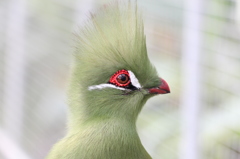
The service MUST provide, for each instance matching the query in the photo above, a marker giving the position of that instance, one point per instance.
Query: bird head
(112, 74)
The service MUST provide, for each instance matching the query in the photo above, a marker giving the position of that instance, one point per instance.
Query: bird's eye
(120, 78)
(123, 78)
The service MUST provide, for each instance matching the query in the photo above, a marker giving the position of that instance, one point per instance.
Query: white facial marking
(105, 85)
(134, 79)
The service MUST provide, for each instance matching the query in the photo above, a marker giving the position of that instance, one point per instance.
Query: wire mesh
(45, 39)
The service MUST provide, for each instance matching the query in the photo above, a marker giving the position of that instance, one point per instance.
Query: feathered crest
(112, 39)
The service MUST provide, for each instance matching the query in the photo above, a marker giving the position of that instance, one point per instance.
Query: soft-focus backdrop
(194, 44)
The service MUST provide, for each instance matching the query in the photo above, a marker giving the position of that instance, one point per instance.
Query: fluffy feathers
(102, 121)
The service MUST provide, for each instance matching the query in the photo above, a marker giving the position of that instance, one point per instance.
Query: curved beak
(163, 88)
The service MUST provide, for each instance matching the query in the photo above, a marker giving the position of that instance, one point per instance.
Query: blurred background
(194, 44)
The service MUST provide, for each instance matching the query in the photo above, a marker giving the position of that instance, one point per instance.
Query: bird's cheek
(145, 91)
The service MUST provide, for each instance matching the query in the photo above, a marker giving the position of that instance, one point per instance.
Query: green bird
(112, 78)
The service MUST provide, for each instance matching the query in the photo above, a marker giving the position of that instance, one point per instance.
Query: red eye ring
(120, 78)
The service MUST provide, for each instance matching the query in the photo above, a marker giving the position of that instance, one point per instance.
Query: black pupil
(122, 78)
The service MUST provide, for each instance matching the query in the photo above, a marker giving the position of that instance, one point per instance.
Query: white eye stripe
(133, 79)
(104, 85)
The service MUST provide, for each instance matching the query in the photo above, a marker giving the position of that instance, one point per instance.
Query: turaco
(112, 78)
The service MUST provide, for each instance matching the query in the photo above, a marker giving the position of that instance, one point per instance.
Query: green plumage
(102, 122)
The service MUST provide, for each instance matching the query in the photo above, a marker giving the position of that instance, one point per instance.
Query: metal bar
(14, 69)
(191, 80)
(9, 148)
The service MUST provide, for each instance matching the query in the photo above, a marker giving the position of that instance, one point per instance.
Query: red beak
(163, 88)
